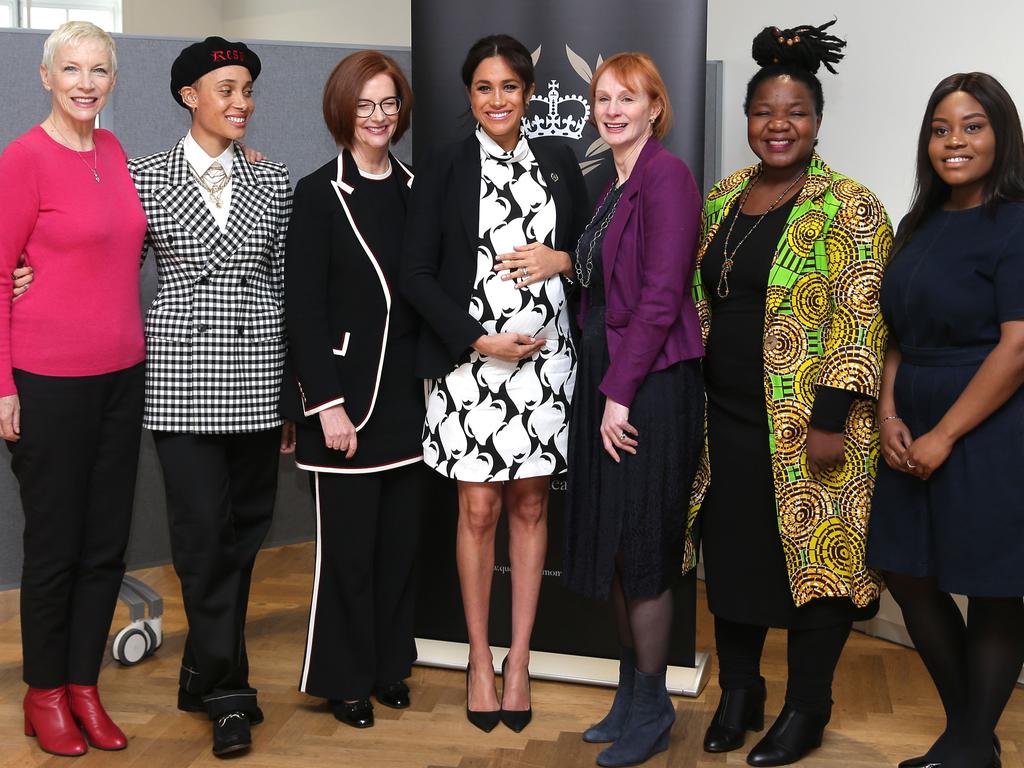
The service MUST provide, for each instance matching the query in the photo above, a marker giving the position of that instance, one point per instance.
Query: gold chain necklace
(215, 189)
(727, 264)
(94, 168)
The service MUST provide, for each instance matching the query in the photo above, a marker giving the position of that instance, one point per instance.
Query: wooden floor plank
(886, 708)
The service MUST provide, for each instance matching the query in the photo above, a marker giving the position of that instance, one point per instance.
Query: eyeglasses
(389, 106)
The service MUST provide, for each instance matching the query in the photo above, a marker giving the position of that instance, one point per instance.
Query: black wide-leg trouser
(220, 502)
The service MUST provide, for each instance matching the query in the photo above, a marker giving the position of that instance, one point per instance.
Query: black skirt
(637, 508)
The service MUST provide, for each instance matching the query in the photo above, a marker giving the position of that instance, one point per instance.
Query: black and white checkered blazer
(215, 336)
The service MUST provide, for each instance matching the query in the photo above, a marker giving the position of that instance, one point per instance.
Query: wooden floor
(885, 711)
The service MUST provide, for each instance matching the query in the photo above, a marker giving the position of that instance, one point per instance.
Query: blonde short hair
(73, 33)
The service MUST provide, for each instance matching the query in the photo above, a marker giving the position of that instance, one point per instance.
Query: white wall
(355, 22)
(897, 52)
(177, 18)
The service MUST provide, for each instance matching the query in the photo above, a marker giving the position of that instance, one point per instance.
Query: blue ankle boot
(610, 728)
(646, 730)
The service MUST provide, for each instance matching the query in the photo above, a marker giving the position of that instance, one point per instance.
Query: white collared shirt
(196, 157)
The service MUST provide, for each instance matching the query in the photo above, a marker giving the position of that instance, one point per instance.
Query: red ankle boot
(48, 718)
(87, 709)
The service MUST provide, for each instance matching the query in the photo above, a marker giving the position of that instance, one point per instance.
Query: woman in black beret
(216, 346)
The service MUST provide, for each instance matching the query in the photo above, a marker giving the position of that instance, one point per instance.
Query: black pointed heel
(516, 719)
(485, 720)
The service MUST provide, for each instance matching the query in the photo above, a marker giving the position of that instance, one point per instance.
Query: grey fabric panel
(288, 127)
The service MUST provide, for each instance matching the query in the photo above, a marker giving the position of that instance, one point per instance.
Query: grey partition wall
(287, 126)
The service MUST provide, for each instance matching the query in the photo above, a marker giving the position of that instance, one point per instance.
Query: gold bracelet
(894, 417)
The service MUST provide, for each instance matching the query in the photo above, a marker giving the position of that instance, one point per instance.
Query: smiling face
(962, 147)
(782, 125)
(623, 114)
(498, 100)
(373, 134)
(222, 103)
(79, 81)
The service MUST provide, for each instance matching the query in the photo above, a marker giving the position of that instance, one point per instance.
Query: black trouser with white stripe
(364, 598)
(220, 501)
(76, 464)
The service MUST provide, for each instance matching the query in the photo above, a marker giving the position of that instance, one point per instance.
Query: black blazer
(340, 296)
(442, 232)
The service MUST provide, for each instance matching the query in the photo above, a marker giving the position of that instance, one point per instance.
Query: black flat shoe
(394, 695)
(358, 713)
(516, 719)
(231, 734)
(485, 720)
(922, 761)
(739, 710)
(193, 702)
(793, 736)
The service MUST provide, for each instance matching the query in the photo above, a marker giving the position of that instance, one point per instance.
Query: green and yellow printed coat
(822, 326)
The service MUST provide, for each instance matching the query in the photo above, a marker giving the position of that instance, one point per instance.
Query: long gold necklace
(730, 259)
(94, 168)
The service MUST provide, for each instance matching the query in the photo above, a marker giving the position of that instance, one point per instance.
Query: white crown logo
(554, 123)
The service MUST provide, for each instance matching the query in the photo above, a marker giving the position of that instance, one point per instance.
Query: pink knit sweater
(81, 316)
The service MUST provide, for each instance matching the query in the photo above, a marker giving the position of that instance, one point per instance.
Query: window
(50, 14)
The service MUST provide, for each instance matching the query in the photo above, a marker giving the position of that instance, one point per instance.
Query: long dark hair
(797, 53)
(515, 54)
(1005, 181)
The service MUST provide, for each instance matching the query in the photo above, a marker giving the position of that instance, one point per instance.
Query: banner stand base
(683, 681)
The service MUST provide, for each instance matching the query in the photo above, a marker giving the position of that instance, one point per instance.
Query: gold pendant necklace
(722, 288)
(94, 168)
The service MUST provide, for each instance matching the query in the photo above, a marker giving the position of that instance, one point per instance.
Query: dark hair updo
(511, 50)
(797, 53)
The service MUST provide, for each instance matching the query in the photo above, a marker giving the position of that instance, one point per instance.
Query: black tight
(974, 665)
(645, 625)
(812, 655)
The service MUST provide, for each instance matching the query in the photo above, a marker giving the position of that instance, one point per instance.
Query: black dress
(744, 564)
(637, 508)
(944, 296)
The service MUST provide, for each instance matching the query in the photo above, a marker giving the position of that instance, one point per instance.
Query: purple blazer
(649, 253)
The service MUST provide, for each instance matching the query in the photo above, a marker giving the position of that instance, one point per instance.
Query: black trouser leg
(395, 573)
(739, 648)
(220, 497)
(108, 524)
(68, 461)
(812, 655)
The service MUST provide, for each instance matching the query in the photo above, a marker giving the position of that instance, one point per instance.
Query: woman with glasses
(358, 409)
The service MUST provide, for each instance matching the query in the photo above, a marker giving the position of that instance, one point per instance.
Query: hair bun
(805, 46)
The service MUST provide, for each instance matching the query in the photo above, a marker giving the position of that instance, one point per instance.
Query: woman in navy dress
(948, 514)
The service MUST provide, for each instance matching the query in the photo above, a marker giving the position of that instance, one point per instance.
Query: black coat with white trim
(351, 336)
(441, 236)
(215, 340)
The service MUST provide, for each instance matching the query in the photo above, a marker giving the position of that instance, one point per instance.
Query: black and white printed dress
(492, 420)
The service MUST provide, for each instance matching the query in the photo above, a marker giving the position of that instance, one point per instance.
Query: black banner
(569, 39)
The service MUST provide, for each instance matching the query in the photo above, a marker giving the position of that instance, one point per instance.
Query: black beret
(213, 53)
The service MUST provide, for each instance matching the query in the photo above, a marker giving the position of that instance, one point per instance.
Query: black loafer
(193, 702)
(793, 736)
(231, 734)
(739, 710)
(358, 713)
(394, 695)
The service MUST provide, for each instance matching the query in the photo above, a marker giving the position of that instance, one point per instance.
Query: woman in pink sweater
(71, 383)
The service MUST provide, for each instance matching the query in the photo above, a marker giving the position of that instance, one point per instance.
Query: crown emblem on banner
(555, 123)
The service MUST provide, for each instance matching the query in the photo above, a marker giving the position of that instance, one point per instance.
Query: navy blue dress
(944, 296)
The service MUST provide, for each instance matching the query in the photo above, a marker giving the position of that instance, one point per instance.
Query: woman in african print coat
(787, 284)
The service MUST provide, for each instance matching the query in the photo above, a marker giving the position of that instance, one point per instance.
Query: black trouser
(364, 597)
(76, 463)
(812, 655)
(220, 501)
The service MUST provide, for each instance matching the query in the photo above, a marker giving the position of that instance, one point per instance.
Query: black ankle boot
(793, 735)
(647, 727)
(610, 728)
(739, 710)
